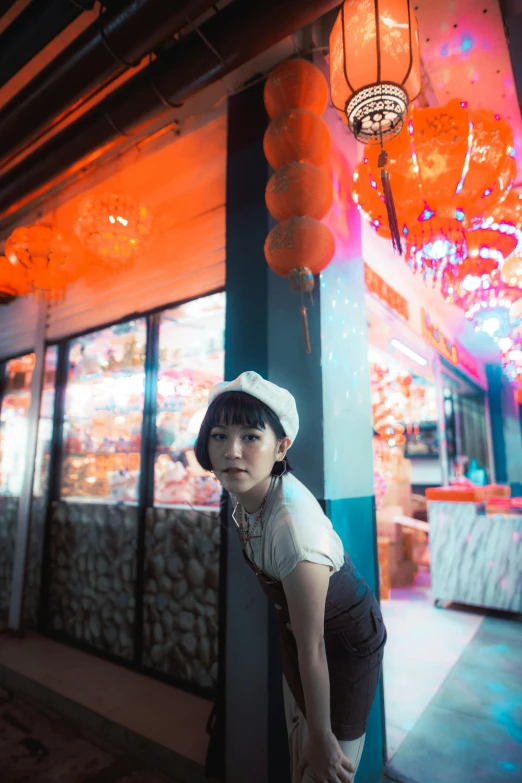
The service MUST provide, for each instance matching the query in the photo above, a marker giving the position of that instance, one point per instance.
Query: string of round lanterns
(299, 193)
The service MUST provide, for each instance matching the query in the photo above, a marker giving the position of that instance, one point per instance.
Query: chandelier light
(488, 306)
(113, 227)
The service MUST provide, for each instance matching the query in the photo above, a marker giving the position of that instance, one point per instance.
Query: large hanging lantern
(374, 66)
(113, 227)
(451, 167)
(375, 72)
(51, 259)
(13, 281)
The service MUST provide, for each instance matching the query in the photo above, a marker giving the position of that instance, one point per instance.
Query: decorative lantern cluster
(45, 260)
(451, 168)
(299, 194)
(113, 227)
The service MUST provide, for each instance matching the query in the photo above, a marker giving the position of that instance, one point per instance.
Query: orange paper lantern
(50, 257)
(295, 84)
(13, 281)
(374, 66)
(519, 395)
(299, 189)
(297, 243)
(297, 135)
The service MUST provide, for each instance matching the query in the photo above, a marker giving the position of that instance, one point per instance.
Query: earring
(280, 472)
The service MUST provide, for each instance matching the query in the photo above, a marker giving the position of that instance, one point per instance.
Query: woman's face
(243, 457)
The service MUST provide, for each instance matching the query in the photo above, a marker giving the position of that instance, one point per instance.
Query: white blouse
(294, 528)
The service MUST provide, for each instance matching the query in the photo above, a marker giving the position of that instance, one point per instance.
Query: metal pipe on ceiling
(33, 29)
(5, 5)
(121, 37)
(239, 32)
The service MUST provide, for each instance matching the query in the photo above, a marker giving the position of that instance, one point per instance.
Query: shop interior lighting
(408, 352)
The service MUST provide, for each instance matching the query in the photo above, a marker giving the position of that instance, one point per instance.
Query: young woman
(331, 630)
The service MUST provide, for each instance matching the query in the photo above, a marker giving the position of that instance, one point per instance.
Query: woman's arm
(305, 589)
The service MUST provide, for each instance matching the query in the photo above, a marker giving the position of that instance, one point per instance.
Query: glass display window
(192, 356)
(14, 423)
(103, 414)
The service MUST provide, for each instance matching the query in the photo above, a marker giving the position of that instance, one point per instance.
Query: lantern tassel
(390, 204)
(304, 317)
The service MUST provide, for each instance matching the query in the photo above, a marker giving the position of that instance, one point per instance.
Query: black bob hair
(237, 408)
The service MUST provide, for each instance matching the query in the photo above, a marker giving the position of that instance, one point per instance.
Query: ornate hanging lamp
(114, 227)
(451, 167)
(13, 281)
(375, 73)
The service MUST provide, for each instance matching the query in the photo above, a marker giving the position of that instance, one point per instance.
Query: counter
(475, 559)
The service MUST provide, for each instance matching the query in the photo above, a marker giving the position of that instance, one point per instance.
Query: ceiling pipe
(235, 35)
(5, 5)
(33, 29)
(118, 40)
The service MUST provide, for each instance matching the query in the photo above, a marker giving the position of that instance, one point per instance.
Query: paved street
(39, 748)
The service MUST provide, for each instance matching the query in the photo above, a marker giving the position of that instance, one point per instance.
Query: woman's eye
(217, 435)
(252, 437)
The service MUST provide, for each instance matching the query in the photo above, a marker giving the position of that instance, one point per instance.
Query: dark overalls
(354, 638)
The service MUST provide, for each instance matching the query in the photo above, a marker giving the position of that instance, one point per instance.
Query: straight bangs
(239, 409)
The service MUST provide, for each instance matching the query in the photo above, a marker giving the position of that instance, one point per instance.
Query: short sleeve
(291, 546)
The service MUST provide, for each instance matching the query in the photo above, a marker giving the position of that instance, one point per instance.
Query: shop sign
(377, 286)
(452, 352)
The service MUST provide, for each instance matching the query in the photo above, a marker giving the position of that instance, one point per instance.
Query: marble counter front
(475, 559)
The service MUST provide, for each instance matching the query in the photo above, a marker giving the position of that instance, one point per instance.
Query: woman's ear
(282, 448)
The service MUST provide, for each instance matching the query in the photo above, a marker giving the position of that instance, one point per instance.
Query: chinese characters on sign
(454, 354)
(376, 285)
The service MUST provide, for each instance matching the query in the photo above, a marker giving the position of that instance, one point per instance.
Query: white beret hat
(278, 399)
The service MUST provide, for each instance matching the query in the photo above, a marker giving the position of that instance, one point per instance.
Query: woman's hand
(327, 760)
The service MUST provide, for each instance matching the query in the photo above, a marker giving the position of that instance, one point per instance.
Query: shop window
(103, 415)
(14, 414)
(180, 631)
(40, 489)
(191, 361)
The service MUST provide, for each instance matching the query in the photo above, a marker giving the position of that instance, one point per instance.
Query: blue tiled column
(348, 457)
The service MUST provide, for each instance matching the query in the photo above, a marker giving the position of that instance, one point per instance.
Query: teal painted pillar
(332, 454)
